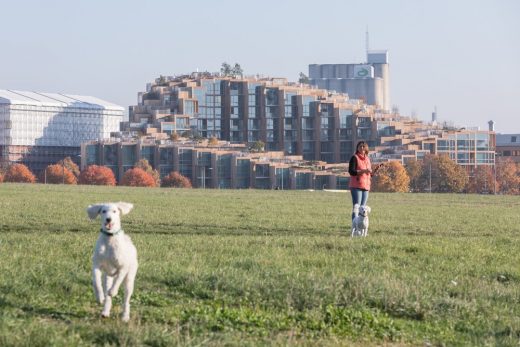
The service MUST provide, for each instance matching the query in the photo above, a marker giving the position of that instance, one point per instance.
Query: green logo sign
(362, 73)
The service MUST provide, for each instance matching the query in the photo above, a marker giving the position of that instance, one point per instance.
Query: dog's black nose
(109, 220)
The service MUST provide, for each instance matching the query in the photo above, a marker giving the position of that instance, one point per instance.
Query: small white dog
(360, 222)
(115, 257)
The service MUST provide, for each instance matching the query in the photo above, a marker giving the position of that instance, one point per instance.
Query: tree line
(67, 172)
(435, 173)
(440, 174)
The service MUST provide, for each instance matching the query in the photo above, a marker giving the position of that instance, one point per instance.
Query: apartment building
(298, 120)
(316, 124)
(38, 129)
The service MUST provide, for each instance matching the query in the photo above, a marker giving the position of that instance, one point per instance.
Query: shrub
(145, 165)
(137, 177)
(19, 173)
(175, 180)
(58, 174)
(97, 175)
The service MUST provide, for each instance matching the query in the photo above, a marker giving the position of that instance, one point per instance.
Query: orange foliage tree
(446, 175)
(175, 180)
(137, 177)
(414, 171)
(482, 180)
(19, 173)
(391, 177)
(69, 164)
(145, 165)
(58, 174)
(97, 175)
(1, 177)
(508, 180)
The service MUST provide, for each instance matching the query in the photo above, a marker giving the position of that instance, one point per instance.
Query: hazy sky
(462, 56)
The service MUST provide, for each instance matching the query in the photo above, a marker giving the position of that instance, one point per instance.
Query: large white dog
(360, 221)
(115, 257)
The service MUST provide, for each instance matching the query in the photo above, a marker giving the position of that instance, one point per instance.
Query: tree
(482, 181)
(137, 177)
(1, 177)
(446, 175)
(175, 136)
(175, 180)
(213, 141)
(391, 177)
(19, 173)
(303, 78)
(97, 175)
(145, 165)
(414, 171)
(237, 70)
(58, 174)
(69, 164)
(507, 173)
(225, 70)
(257, 146)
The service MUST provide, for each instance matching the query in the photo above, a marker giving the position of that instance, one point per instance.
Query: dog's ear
(124, 207)
(368, 209)
(93, 210)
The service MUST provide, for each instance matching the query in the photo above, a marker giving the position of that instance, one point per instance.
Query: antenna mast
(367, 46)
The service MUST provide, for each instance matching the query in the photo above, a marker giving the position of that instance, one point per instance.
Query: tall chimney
(491, 125)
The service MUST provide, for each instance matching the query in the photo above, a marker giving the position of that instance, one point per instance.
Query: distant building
(368, 81)
(38, 129)
(313, 123)
(508, 146)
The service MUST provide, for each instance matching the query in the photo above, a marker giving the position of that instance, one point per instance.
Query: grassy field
(223, 267)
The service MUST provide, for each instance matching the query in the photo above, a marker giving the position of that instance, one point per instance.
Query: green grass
(223, 267)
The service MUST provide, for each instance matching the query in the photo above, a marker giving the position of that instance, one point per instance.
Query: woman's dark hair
(362, 143)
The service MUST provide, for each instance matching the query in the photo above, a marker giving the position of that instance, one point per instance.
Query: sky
(461, 56)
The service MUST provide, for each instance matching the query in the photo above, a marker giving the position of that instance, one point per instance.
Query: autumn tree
(70, 165)
(443, 173)
(213, 141)
(97, 175)
(137, 177)
(145, 165)
(19, 173)
(482, 180)
(414, 171)
(175, 180)
(391, 177)
(58, 174)
(507, 176)
(1, 177)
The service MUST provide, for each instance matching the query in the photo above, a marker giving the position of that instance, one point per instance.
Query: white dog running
(360, 221)
(115, 257)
